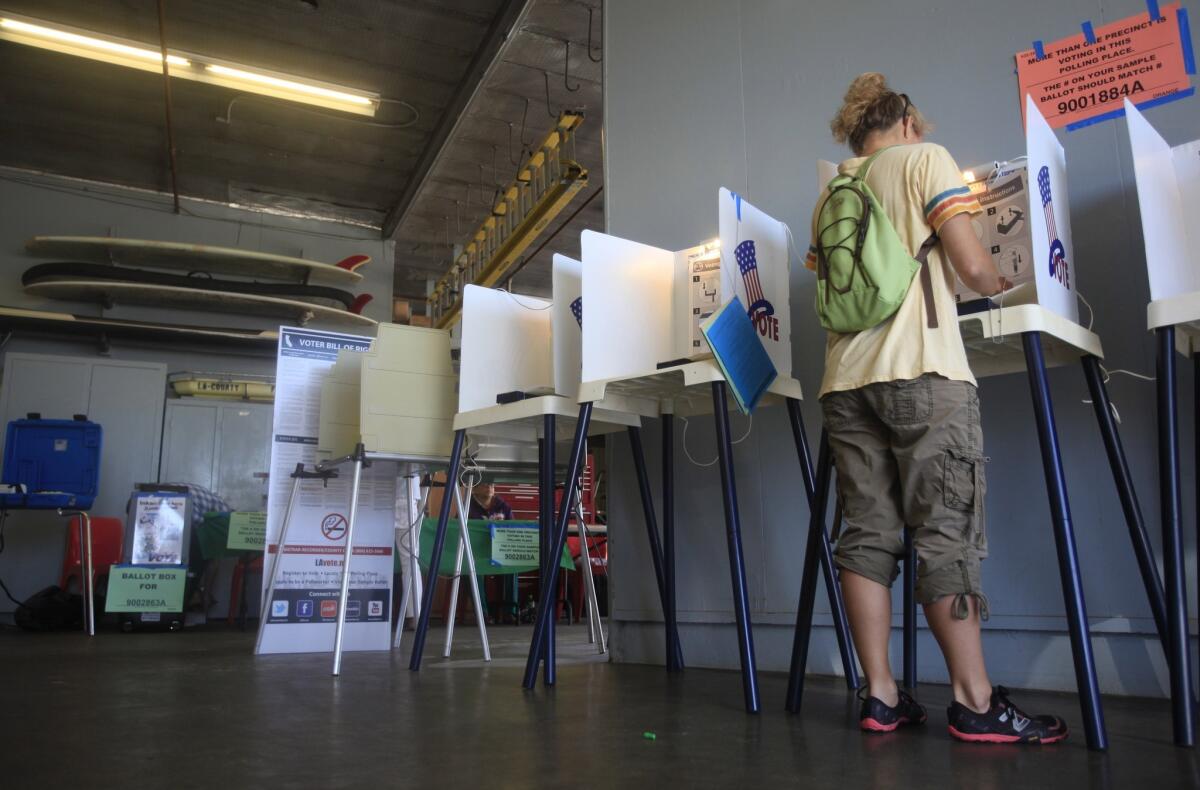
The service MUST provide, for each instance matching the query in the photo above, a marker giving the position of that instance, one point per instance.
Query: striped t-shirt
(920, 187)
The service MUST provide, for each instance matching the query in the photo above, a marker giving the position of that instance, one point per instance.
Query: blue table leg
(808, 579)
(1064, 537)
(737, 564)
(1179, 656)
(910, 611)
(435, 557)
(656, 552)
(674, 651)
(833, 590)
(548, 592)
(1142, 548)
(546, 498)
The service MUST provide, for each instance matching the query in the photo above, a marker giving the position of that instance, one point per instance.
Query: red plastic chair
(107, 534)
(235, 586)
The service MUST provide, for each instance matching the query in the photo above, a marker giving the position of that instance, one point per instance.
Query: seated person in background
(486, 505)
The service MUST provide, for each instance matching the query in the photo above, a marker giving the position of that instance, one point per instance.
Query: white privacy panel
(1161, 207)
(754, 267)
(1054, 264)
(566, 324)
(505, 346)
(628, 289)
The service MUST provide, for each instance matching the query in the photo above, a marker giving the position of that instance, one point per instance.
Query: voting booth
(641, 306)
(1168, 187)
(519, 378)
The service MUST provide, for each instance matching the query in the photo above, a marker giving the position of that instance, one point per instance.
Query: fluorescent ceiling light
(285, 88)
(133, 54)
(63, 40)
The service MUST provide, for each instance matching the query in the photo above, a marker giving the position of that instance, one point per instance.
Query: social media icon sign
(304, 608)
(279, 608)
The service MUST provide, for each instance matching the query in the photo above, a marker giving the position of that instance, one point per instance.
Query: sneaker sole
(992, 738)
(871, 725)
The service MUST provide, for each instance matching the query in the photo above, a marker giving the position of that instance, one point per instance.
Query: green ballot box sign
(514, 546)
(142, 588)
(247, 531)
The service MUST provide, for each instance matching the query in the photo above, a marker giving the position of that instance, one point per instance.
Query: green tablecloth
(481, 544)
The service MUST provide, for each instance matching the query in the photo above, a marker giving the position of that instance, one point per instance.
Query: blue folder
(745, 363)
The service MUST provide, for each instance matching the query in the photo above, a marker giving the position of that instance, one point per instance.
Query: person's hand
(1004, 285)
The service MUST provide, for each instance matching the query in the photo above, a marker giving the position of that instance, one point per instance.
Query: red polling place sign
(1143, 59)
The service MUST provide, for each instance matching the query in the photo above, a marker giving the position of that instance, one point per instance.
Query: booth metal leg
(1142, 548)
(435, 556)
(455, 581)
(414, 567)
(639, 464)
(546, 537)
(674, 649)
(339, 630)
(737, 564)
(595, 624)
(1064, 537)
(544, 614)
(833, 590)
(265, 612)
(1179, 656)
(808, 580)
(464, 547)
(910, 612)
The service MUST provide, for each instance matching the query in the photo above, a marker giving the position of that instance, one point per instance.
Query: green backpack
(864, 271)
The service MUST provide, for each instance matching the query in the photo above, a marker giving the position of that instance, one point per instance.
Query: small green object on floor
(649, 736)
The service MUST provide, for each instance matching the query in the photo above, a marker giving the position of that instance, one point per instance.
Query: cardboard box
(401, 311)
(1004, 227)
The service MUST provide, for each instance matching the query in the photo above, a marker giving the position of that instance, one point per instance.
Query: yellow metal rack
(542, 189)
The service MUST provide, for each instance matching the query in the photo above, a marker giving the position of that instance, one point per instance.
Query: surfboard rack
(194, 257)
(258, 342)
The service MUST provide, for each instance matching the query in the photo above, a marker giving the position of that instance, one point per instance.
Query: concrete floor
(196, 709)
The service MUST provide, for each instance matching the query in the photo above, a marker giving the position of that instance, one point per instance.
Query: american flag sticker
(747, 261)
(577, 310)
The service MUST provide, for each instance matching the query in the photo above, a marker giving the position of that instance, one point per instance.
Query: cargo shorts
(909, 455)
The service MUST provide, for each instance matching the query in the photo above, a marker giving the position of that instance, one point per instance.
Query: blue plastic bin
(57, 462)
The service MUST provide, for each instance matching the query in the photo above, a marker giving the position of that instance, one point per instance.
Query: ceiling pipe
(162, 40)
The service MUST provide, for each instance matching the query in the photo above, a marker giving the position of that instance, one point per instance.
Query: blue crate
(56, 461)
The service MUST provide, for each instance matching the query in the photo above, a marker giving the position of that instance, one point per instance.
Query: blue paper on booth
(735, 344)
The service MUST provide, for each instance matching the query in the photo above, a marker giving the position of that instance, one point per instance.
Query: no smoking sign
(333, 526)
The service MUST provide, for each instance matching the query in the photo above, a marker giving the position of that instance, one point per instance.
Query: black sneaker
(876, 716)
(1003, 723)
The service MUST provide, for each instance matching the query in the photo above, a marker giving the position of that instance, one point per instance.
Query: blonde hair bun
(864, 92)
(870, 104)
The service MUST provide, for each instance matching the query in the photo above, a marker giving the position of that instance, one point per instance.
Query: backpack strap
(931, 318)
(865, 167)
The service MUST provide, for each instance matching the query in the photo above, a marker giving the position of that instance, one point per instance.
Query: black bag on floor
(51, 609)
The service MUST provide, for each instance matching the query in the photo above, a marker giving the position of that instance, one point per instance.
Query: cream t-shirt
(919, 187)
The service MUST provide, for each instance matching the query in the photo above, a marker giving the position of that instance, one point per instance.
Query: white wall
(39, 205)
(703, 94)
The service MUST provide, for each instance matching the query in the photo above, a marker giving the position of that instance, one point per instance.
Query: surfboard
(194, 257)
(318, 294)
(111, 293)
(12, 318)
